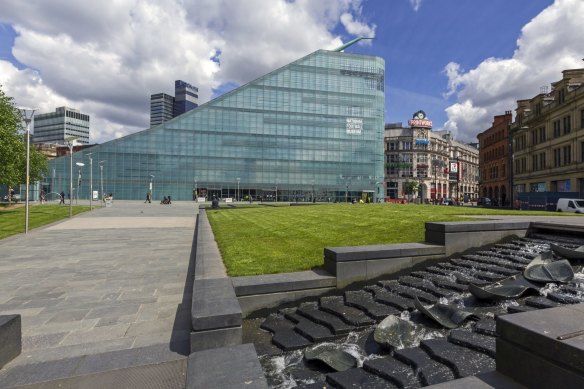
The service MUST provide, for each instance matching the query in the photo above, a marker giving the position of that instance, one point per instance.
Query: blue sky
(461, 61)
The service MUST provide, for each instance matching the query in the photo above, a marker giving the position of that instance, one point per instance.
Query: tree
(13, 147)
(410, 187)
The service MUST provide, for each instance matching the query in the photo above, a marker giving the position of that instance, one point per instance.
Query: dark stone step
(540, 302)
(572, 289)
(350, 315)
(500, 261)
(438, 270)
(384, 296)
(315, 385)
(401, 374)
(425, 285)
(563, 298)
(364, 300)
(485, 267)
(430, 372)
(481, 343)
(486, 327)
(447, 283)
(276, 322)
(520, 308)
(463, 361)
(488, 276)
(289, 340)
(10, 338)
(357, 378)
(336, 325)
(408, 292)
(313, 331)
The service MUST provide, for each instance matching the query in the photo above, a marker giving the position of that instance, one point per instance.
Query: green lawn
(266, 240)
(12, 218)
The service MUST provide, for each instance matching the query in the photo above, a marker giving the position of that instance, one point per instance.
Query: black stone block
(289, 340)
(400, 374)
(275, 323)
(336, 325)
(464, 362)
(314, 331)
(425, 285)
(10, 338)
(520, 308)
(336, 305)
(541, 302)
(357, 378)
(430, 372)
(364, 300)
(384, 296)
(486, 327)
(562, 298)
(481, 343)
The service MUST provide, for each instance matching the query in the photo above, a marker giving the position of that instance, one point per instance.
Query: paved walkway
(115, 278)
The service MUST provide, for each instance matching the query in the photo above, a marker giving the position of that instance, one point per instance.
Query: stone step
(563, 298)
(384, 296)
(408, 292)
(485, 267)
(425, 285)
(350, 315)
(357, 378)
(336, 325)
(313, 331)
(486, 327)
(495, 260)
(520, 308)
(10, 338)
(475, 341)
(540, 302)
(276, 322)
(430, 372)
(152, 366)
(364, 300)
(399, 373)
(463, 361)
(289, 340)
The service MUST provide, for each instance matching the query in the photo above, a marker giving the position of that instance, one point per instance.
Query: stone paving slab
(111, 279)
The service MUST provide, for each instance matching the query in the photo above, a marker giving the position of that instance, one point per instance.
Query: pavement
(112, 279)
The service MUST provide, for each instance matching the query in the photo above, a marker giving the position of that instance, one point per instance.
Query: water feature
(347, 322)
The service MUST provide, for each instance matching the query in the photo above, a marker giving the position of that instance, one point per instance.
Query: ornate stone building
(548, 138)
(440, 166)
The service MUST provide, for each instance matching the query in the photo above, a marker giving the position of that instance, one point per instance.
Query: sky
(461, 61)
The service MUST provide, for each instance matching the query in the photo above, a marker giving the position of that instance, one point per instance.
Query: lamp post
(313, 199)
(196, 191)
(237, 196)
(27, 115)
(70, 140)
(90, 181)
(79, 166)
(276, 191)
(151, 187)
(101, 179)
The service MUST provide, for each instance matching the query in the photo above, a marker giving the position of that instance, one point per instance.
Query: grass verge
(267, 240)
(12, 218)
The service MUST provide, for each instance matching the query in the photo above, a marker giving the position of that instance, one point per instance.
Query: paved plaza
(111, 279)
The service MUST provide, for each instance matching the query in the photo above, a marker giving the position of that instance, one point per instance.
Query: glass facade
(312, 129)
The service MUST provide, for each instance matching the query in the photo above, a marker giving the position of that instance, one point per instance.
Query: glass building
(311, 130)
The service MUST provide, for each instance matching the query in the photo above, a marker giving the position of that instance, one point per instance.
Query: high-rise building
(312, 129)
(164, 107)
(186, 97)
(56, 127)
(161, 108)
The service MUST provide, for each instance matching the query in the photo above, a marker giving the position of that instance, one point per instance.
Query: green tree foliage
(13, 147)
(410, 187)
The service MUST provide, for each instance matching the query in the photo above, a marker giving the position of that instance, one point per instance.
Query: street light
(27, 115)
(313, 199)
(70, 140)
(101, 179)
(90, 181)
(196, 191)
(151, 187)
(238, 179)
(79, 166)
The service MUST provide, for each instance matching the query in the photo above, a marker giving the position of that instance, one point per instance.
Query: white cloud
(416, 4)
(106, 58)
(549, 43)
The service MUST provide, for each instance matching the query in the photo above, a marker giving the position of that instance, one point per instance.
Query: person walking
(62, 198)
(148, 198)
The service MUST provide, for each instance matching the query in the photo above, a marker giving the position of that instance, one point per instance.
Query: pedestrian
(62, 198)
(111, 197)
(148, 198)
(42, 196)
(169, 202)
